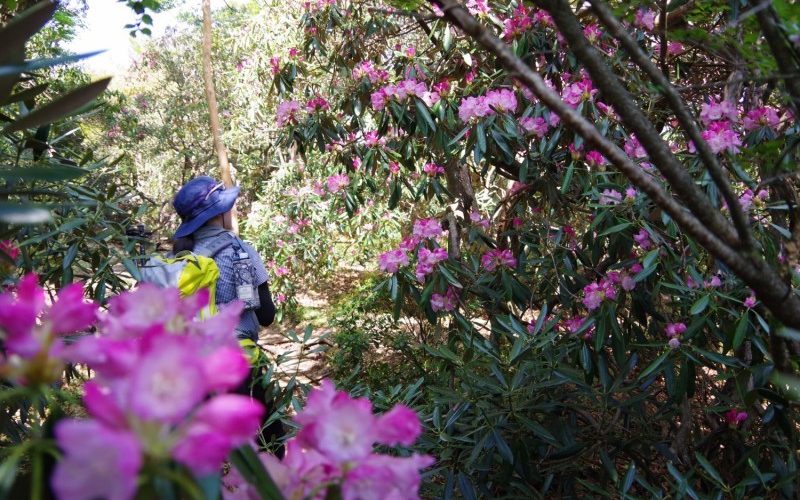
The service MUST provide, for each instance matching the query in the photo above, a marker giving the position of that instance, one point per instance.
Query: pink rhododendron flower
(646, 18)
(750, 301)
(497, 257)
(390, 262)
(337, 182)
(721, 137)
(158, 367)
(518, 24)
(99, 462)
(317, 104)
(578, 92)
(592, 32)
(31, 330)
(445, 302)
(764, 116)
(502, 100)
(427, 228)
(595, 293)
(478, 7)
(642, 238)
(734, 417)
(594, 159)
(480, 220)
(674, 329)
(630, 193)
(537, 126)
(674, 342)
(713, 110)
(10, 249)
(288, 112)
(610, 197)
(573, 325)
(432, 169)
(275, 64)
(634, 148)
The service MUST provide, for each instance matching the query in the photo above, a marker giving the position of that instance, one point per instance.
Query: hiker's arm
(265, 313)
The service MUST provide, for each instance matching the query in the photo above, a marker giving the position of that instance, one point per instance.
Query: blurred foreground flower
(334, 449)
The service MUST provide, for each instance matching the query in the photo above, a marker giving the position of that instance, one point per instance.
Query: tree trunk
(213, 111)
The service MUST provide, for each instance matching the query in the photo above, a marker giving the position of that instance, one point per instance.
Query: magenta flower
(31, 330)
(594, 159)
(495, 258)
(713, 110)
(432, 169)
(750, 301)
(634, 148)
(578, 92)
(674, 342)
(593, 295)
(646, 18)
(9, 248)
(444, 302)
(427, 228)
(337, 182)
(642, 238)
(391, 261)
(721, 137)
(734, 417)
(764, 116)
(610, 197)
(431, 257)
(288, 112)
(98, 462)
(502, 100)
(537, 126)
(674, 329)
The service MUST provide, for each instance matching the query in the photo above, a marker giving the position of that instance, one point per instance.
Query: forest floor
(299, 346)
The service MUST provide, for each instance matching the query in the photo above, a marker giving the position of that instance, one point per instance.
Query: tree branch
(773, 292)
(683, 115)
(781, 51)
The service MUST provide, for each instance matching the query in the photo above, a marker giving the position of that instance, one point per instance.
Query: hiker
(204, 206)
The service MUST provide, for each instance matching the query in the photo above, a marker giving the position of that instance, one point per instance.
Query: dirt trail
(300, 355)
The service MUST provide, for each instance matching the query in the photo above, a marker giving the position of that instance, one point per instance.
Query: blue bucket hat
(200, 200)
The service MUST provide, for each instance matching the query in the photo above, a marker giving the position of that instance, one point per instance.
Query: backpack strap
(210, 247)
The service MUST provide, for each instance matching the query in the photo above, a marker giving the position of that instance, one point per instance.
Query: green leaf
(52, 172)
(252, 470)
(423, 111)
(700, 305)
(741, 331)
(60, 107)
(615, 229)
(710, 469)
(23, 213)
(655, 365)
(789, 333)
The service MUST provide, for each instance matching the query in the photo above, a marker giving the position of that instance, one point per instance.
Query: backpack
(187, 271)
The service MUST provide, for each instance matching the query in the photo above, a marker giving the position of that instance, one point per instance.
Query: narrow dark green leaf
(60, 107)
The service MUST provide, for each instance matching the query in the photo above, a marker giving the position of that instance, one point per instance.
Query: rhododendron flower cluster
(595, 293)
(734, 417)
(427, 259)
(427, 228)
(31, 331)
(642, 238)
(646, 18)
(610, 197)
(317, 104)
(401, 92)
(497, 257)
(432, 169)
(764, 116)
(288, 112)
(674, 332)
(157, 394)
(335, 446)
(365, 69)
(594, 159)
(537, 126)
(498, 100)
(578, 92)
(748, 198)
(337, 182)
(721, 137)
(713, 111)
(445, 302)
(750, 301)
(391, 261)
(573, 325)
(518, 24)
